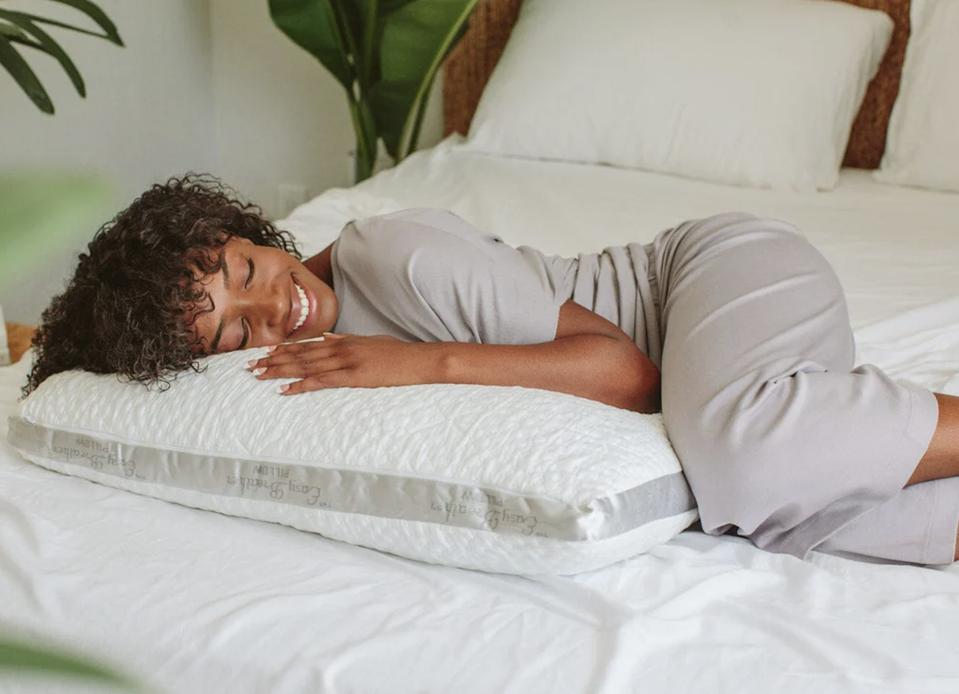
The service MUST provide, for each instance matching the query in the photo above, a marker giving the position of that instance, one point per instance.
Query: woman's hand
(344, 360)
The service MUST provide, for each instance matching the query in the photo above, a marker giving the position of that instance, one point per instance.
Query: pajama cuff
(913, 524)
(919, 524)
(940, 545)
(923, 418)
(943, 521)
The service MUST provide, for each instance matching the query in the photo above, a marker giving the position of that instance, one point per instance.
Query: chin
(327, 311)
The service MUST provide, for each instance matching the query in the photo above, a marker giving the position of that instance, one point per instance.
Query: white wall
(207, 85)
(148, 112)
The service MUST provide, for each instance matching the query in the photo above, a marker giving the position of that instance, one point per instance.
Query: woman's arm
(599, 367)
(590, 357)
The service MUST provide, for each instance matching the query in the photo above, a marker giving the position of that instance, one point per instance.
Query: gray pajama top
(426, 274)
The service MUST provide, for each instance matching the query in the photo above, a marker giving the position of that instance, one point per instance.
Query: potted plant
(385, 54)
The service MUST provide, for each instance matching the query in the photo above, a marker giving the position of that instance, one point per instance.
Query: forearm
(597, 367)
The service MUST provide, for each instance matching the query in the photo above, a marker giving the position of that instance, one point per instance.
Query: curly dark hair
(132, 301)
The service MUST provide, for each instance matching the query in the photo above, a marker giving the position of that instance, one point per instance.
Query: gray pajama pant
(781, 437)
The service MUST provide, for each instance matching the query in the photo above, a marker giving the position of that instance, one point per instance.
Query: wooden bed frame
(18, 339)
(469, 65)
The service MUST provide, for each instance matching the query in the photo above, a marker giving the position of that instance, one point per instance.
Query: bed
(194, 601)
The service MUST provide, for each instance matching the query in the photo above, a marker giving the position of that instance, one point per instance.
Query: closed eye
(246, 334)
(249, 274)
(246, 285)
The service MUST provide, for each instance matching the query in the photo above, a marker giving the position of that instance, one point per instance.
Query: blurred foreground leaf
(42, 214)
(24, 658)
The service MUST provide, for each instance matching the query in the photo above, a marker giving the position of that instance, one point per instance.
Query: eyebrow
(226, 280)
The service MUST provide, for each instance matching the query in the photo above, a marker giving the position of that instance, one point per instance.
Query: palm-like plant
(385, 54)
(23, 29)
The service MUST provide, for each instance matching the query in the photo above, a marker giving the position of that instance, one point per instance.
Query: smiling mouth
(303, 307)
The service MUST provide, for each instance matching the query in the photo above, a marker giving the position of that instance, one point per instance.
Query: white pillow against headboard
(751, 92)
(922, 146)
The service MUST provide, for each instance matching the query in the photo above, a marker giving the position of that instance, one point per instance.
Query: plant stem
(365, 153)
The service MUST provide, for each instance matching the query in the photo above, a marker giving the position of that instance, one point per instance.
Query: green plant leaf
(48, 45)
(360, 22)
(418, 113)
(312, 25)
(417, 36)
(96, 14)
(388, 6)
(24, 75)
(21, 656)
(11, 31)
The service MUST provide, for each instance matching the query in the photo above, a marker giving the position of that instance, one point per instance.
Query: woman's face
(258, 299)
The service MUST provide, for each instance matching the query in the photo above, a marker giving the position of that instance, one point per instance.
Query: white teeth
(304, 307)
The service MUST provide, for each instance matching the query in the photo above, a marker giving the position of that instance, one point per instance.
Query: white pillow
(922, 146)
(317, 223)
(504, 479)
(750, 92)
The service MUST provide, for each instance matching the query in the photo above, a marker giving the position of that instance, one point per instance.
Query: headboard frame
(470, 64)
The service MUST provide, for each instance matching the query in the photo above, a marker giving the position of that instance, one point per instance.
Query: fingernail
(257, 372)
(271, 348)
(250, 364)
(282, 389)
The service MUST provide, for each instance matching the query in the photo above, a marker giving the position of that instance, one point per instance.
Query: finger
(314, 352)
(298, 369)
(292, 347)
(296, 345)
(333, 379)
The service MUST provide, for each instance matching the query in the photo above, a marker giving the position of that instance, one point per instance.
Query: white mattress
(193, 601)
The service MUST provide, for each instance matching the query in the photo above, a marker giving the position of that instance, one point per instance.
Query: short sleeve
(471, 284)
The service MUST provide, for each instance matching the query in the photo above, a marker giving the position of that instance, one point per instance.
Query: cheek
(200, 335)
(200, 320)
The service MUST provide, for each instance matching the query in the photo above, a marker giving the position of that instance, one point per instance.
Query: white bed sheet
(194, 601)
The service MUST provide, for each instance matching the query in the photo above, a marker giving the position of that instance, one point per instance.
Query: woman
(780, 437)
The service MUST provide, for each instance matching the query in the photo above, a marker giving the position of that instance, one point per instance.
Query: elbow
(645, 393)
(652, 394)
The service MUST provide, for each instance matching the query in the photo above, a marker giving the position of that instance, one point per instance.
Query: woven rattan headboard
(472, 61)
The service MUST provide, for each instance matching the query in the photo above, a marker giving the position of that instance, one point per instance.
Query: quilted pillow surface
(502, 479)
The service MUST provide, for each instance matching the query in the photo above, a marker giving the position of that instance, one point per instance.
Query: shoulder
(418, 246)
(417, 227)
(425, 235)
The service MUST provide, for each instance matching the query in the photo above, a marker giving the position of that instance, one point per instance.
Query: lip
(295, 309)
